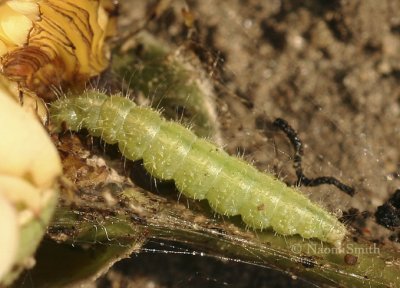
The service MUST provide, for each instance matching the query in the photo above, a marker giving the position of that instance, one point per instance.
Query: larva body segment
(200, 169)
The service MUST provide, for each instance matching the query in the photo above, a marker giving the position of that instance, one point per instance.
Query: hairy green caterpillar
(200, 169)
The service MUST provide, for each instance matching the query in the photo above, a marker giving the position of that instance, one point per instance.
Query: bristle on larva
(200, 169)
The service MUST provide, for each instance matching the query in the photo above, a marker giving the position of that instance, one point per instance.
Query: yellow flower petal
(17, 34)
(28, 8)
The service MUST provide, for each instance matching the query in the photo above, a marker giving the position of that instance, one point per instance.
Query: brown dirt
(331, 69)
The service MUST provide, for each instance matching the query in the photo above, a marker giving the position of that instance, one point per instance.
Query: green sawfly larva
(200, 169)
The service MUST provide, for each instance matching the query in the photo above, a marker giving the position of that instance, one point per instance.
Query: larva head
(62, 112)
(75, 112)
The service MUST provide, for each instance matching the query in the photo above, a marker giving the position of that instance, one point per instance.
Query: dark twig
(298, 147)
